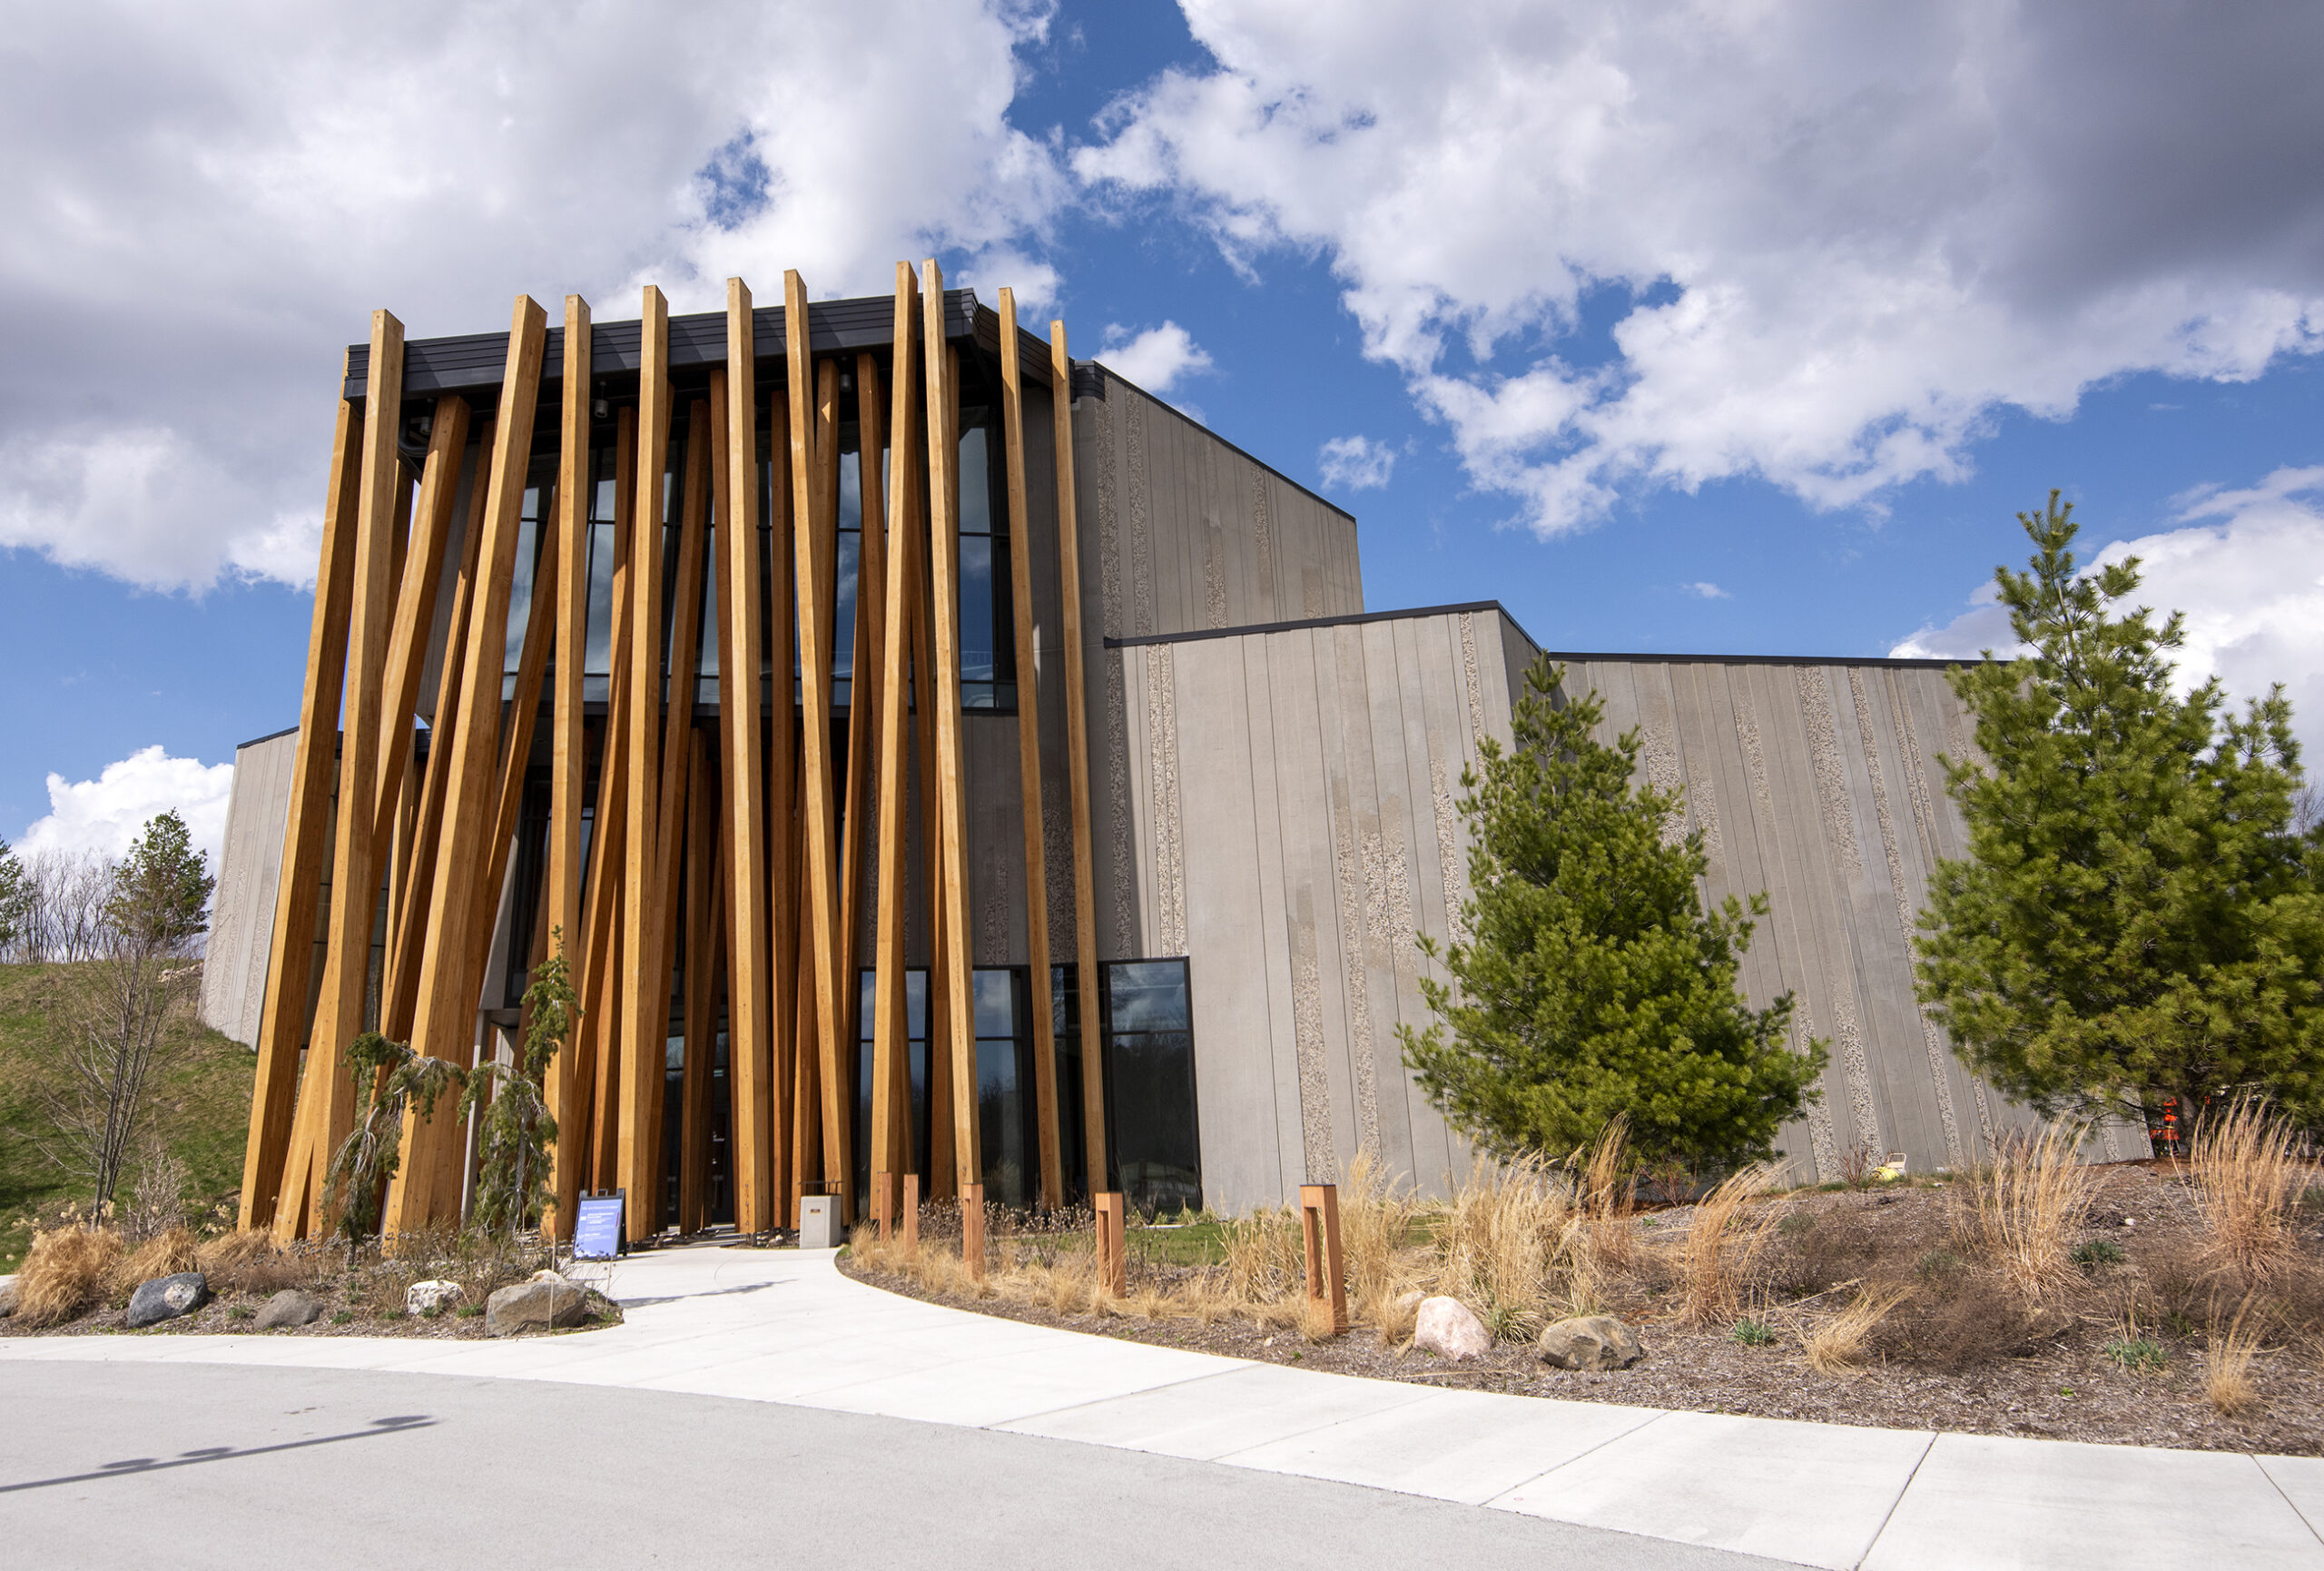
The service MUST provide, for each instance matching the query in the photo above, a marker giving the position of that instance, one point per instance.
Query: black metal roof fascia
(270, 737)
(475, 362)
(1198, 635)
(1097, 385)
(1032, 351)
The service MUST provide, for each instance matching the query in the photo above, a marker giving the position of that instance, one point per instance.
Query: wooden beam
(314, 763)
(599, 1036)
(444, 1026)
(856, 818)
(329, 1090)
(561, 879)
(415, 613)
(944, 540)
(644, 998)
(1028, 757)
(703, 867)
(890, 1021)
(1076, 753)
(750, 1034)
(813, 439)
(943, 1175)
(781, 823)
(400, 998)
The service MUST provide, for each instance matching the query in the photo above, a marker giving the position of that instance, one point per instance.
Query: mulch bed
(2050, 1378)
(218, 1318)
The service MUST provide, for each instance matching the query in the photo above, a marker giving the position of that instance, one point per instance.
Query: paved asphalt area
(208, 1465)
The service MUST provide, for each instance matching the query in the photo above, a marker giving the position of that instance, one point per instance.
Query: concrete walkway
(787, 1326)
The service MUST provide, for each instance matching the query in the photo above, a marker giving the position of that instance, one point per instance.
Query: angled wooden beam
(415, 613)
(944, 1173)
(645, 1000)
(328, 1092)
(857, 817)
(314, 765)
(1077, 752)
(750, 1028)
(780, 767)
(561, 880)
(890, 1024)
(813, 438)
(598, 1035)
(1029, 757)
(400, 998)
(702, 897)
(944, 543)
(444, 1025)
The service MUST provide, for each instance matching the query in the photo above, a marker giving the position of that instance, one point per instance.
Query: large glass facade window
(988, 626)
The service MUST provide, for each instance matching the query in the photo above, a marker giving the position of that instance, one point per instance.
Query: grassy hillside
(201, 1101)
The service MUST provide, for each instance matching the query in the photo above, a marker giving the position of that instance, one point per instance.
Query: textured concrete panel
(250, 866)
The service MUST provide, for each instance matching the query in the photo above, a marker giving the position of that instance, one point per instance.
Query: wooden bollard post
(883, 1201)
(1319, 1220)
(1113, 1265)
(911, 1210)
(972, 1229)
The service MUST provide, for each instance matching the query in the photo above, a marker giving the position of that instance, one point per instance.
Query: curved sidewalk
(785, 1326)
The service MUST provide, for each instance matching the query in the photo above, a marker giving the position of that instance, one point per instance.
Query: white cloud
(2251, 586)
(1707, 591)
(1155, 359)
(1355, 463)
(103, 815)
(205, 204)
(1835, 239)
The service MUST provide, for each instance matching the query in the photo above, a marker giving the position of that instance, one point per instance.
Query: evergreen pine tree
(1594, 984)
(2137, 918)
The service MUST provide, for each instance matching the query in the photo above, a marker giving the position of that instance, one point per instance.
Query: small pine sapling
(391, 1079)
(516, 1129)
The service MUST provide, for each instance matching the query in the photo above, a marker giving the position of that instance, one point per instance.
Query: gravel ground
(2045, 1375)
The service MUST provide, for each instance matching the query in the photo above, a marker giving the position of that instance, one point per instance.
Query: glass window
(1150, 1085)
(988, 627)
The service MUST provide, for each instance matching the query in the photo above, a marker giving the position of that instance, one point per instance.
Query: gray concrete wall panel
(250, 868)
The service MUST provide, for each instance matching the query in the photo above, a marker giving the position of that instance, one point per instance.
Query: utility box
(818, 1223)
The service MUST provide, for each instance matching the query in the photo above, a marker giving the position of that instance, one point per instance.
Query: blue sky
(1746, 338)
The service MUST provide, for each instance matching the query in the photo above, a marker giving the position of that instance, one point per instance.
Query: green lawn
(201, 1101)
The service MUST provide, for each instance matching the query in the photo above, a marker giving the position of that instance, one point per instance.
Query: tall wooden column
(445, 1023)
(327, 1097)
(944, 547)
(282, 1018)
(645, 1000)
(1028, 757)
(569, 759)
(750, 1029)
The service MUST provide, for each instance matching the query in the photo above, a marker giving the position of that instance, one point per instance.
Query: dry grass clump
(2249, 1175)
(64, 1273)
(249, 1262)
(1608, 1196)
(1266, 1257)
(1502, 1240)
(1836, 1344)
(165, 1254)
(1713, 1260)
(2028, 1208)
(1375, 1216)
(2227, 1365)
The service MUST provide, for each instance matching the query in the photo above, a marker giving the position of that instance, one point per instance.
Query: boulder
(421, 1297)
(535, 1306)
(1448, 1328)
(7, 1298)
(289, 1308)
(167, 1298)
(547, 1276)
(1595, 1342)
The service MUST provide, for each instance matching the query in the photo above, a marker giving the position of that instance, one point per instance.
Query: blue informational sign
(597, 1230)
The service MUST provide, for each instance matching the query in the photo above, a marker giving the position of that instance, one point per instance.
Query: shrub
(1753, 1333)
(64, 1273)
(2029, 1203)
(2092, 1253)
(2136, 1354)
(249, 1262)
(1716, 1254)
(2248, 1180)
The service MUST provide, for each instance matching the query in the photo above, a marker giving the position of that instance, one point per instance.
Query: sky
(1742, 327)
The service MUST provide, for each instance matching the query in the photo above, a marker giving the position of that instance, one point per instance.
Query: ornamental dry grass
(1505, 1244)
(65, 1273)
(2026, 1210)
(2249, 1171)
(1716, 1258)
(1836, 1344)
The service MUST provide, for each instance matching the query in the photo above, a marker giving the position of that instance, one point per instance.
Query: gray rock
(535, 1306)
(167, 1298)
(289, 1308)
(1595, 1342)
(421, 1297)
(1448, 1329)
(7, 1298)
